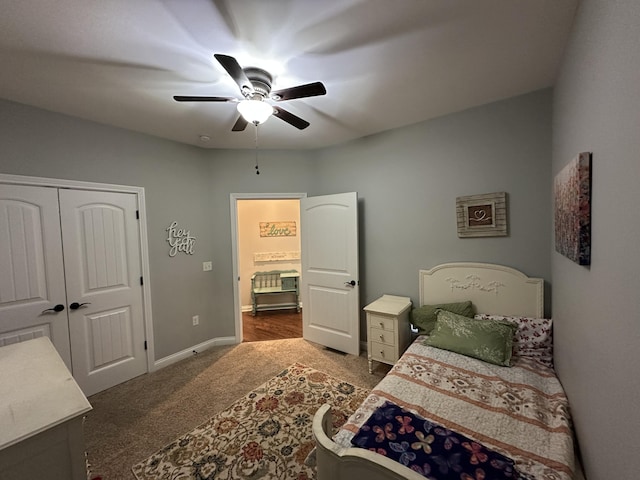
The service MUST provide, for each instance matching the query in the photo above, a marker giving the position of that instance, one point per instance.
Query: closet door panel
(32, 279)
(102, 237)
(111, 340)
(102, 260)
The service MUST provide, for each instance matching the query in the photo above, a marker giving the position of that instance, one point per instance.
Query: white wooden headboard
(493, 289)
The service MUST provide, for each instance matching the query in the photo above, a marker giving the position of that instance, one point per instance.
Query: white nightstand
(388, 330)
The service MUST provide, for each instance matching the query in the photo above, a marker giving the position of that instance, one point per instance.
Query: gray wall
(597, 310)
(407, 180)
(182, 183)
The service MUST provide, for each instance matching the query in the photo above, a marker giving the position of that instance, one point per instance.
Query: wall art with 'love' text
(482, 215)
(278, 229)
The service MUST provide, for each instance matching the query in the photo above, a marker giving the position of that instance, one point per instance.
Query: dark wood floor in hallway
(271, 325)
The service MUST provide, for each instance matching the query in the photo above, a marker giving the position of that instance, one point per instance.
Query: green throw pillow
(424, 317)
(488, 340)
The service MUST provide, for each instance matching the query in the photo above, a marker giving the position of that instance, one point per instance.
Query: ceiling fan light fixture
(255, 86)
(255, 111)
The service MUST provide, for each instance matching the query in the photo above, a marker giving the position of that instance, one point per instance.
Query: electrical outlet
(196, 320)
(207, 266)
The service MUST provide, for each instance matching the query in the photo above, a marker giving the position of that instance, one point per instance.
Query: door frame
(147, 316)
(233, 204)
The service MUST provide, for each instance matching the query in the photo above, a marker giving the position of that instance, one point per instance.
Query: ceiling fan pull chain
(256, 143)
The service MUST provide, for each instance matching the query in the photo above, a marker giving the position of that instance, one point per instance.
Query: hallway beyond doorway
(271, 325)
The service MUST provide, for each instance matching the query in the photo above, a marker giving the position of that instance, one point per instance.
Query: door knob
(76, 305)
(352, 283)
(57, 308)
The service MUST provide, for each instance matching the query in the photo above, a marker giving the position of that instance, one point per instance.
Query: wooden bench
(275, 282)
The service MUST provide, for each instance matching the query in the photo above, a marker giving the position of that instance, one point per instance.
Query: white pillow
(532, 339)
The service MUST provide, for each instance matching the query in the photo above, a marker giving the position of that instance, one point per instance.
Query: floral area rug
(265, 435)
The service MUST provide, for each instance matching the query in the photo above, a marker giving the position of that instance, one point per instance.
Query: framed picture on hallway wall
(572, 209)
(278, 229)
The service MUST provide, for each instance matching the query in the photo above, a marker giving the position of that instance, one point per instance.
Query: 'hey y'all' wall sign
(180, 240)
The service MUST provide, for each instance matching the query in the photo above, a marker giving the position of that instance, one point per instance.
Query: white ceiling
(384, 63)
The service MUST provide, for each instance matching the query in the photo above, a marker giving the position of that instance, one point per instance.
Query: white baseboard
(201, 347)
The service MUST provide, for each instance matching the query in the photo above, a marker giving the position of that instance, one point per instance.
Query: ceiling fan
(255, 86)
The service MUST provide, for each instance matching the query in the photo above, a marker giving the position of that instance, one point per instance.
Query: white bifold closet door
(31, 268)
(71, 270)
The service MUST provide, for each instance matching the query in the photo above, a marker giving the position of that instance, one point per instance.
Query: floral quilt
(520, 412)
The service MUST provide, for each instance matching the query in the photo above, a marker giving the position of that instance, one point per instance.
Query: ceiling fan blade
(290, 118)
(301, 91)
(186, 98)
(240, 124)
(236, 72)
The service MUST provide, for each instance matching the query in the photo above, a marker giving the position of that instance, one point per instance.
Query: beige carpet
(133, 420)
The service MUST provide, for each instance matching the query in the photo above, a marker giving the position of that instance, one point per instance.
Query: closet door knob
(57, 308)
(76, 305)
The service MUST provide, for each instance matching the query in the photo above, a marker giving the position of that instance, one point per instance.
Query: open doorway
(266, 238)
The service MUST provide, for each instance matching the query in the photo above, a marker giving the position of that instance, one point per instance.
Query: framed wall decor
(482, 215)
(572, 209)
(278, 229)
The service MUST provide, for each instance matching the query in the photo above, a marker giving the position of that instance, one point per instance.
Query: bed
(517, 413)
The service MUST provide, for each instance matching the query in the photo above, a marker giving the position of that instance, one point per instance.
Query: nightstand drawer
(382, 336)
(382, 352)
(384, 322)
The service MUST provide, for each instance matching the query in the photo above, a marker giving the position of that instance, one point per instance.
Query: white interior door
(103, 269)
(330, 292)
(31, 272)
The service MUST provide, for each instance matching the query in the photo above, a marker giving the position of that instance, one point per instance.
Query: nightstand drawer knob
(382, 353)
(382, 324)
(382, 337)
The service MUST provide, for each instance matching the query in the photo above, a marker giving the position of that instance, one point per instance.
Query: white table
(41, 414)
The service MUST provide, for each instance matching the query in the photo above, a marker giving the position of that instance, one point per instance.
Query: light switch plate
(207, 266)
